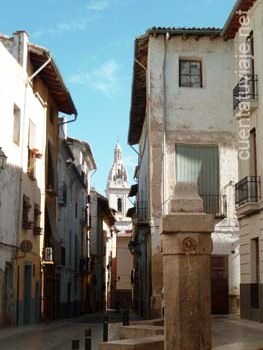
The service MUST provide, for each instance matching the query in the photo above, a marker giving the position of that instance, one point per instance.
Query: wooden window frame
(201, 72)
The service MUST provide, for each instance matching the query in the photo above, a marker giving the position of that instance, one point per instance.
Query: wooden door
(219, 284)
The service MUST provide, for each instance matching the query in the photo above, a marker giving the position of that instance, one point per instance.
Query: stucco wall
(189, 116)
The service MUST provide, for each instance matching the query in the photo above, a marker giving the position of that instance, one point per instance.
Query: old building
(75, 163)
(32, 95)
(244, 25)
(119, 259)
(102, 222)
(184, 134)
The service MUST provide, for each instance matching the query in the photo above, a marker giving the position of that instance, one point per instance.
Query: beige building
(183, 133)
(245, 26)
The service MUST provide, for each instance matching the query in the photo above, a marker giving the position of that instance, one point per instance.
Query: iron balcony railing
(246, 90)
(215, 204)
(248, 190)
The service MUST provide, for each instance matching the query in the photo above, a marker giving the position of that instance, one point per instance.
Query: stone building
(32, 93)
(245, 26)
(75, 163)
(183, 133)
(119, 259)
(102, 220)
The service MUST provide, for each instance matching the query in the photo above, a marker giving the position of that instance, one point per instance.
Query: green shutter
(198, 164)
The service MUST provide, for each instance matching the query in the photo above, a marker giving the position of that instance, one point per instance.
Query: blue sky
(92, 42)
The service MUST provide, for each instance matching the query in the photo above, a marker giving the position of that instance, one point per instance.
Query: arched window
(119, 204)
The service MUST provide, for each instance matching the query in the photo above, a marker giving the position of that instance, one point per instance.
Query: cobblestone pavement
(229, 333)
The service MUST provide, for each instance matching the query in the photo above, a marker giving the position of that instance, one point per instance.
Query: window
(190, 73)
(200, 164)
(119, 204)
(76, 210)
(16, 126)
(253, 153)
(31, 160)
(37, 228)
(26, 224)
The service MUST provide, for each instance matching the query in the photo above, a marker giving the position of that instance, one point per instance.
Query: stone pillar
(187, 247)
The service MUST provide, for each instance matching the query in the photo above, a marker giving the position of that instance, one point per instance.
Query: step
(240, 346)
(153, 322)
(140, 331)
(151, 343)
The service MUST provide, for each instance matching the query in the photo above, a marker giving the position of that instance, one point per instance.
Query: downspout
(69, 121)
(166, 38)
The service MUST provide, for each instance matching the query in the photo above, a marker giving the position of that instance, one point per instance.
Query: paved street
(229, 333)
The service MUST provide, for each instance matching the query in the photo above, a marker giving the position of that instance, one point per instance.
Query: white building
(75, 164)
(32, 93)
(245, 26)
(181, 119)
(118, 276)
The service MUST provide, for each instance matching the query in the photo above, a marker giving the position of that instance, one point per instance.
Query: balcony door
(253, 153)
(200, 164)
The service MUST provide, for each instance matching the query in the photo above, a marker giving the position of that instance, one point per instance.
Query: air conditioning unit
(48, 255)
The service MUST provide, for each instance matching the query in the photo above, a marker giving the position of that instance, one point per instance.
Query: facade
(244, 25)
(75, 163)
(119, 265)
(32, 94)
(184, 135)
(102, 222)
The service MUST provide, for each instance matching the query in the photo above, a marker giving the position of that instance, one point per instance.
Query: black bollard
(88, 339)
(75, 344)
(105, 328)
(125, 317)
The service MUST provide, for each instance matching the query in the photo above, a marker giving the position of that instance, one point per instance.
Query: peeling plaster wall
(189, 116)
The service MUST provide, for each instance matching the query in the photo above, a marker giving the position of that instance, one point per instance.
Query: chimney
(20, 51)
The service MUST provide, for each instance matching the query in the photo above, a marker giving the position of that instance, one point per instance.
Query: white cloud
(103, 78)
(97, 5)
(62, 27)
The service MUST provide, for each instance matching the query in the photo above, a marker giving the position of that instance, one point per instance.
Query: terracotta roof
(138, 98)
(52, 78)
(232, 24)
(85, 148)
(209, 31)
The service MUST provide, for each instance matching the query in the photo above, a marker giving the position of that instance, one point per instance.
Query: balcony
(37, 230)
(215, 204)
(245, 96)
(48, 255)
(248, 195)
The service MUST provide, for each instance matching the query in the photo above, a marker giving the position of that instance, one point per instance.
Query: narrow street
(227, 331)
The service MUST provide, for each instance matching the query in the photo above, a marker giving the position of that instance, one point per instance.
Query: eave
(232, 24)
(51, 76)
(138, 99)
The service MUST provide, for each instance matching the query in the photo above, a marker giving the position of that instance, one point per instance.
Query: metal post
(105, 328)
(125, 317)
(75, 344)
(88, 339)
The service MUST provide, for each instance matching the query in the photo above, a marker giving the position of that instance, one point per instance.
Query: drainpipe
(166, 38)
(69, 121)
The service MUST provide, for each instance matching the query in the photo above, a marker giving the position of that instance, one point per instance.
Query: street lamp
(3, 159)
